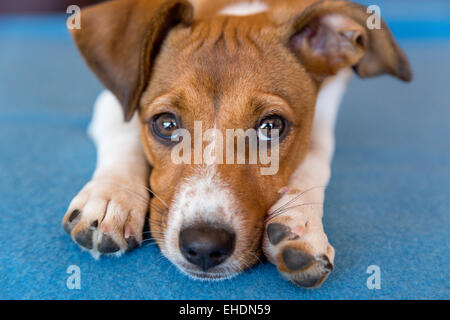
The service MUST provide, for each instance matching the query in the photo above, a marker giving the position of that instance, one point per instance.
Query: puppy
(273, 67)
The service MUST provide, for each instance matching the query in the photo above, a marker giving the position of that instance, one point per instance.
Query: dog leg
(108, 214)
(294, 239)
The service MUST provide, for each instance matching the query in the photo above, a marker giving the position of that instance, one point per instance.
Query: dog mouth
(211, 255)
(207, 275)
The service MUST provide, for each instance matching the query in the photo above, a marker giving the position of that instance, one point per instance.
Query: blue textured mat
(388, 203)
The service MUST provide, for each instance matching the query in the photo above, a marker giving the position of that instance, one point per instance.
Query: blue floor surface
(388, 203)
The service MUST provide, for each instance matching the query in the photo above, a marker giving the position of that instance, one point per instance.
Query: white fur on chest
(244, 8)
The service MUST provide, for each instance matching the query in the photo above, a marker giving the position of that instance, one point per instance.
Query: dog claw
(75, 214)
(326, 263)
(72, 221)
(104, 219)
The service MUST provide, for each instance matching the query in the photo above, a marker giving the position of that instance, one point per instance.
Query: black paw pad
(132, 244)
(277, 232)
(107, 245)
(84, 238)
(294, 259)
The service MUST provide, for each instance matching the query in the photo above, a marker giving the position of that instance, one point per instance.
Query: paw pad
(132, 243)
(107, 217)
(277, 232)
(84, 238)
(295, 259)
(107, 245)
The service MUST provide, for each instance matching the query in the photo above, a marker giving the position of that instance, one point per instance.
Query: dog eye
(267, 124)
(164, 124)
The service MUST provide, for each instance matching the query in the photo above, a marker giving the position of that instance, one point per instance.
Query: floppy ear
(119, 40)
(333, 34)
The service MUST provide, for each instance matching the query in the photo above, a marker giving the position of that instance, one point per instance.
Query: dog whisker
(257, 258)
(154, 206)
(280, 212)
(150, 245)
(157, 233)
(157, 197)
(296, 198)
(149, 232)
(151, 240)
(123, 187)
(152, 225)
(240, 265)
(155, 223)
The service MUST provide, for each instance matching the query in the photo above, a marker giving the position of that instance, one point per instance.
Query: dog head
(206, 75)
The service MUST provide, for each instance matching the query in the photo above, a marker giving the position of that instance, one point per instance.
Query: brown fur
(231, 69)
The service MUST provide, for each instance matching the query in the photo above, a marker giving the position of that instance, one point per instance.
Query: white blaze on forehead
(244, 8)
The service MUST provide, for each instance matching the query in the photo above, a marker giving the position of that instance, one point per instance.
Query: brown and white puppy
(231, 65)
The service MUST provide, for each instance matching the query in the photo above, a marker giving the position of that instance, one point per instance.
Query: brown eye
(268, 124)
(163, 125)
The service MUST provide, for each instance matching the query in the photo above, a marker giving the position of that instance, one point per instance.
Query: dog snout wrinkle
(206, 246)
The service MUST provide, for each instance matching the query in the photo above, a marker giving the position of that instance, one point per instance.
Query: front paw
(107, 217)
(296, 243)
(304, 260)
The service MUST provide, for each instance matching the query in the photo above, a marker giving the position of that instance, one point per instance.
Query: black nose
(206, 246)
